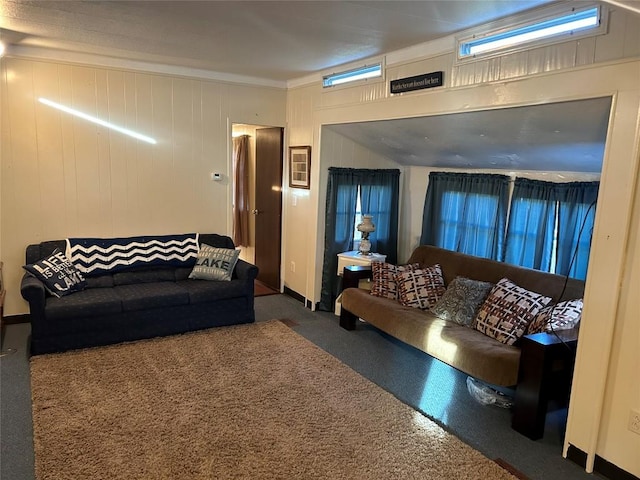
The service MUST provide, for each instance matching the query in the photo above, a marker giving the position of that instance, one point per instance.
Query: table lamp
(365, 227)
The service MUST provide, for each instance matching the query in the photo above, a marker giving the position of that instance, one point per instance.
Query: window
(349, 191)
(361, 73)
(358, 218)
(555, 27)
(466, 213)
(549, 224)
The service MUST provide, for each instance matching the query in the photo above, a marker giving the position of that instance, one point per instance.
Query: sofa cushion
(101, 281)
(508, 310)
(214, 263)
(462, 299)
(420, 288)
(201, 291)
(59, 275)
(461, 347)
(142, 296)
(182, 273)
(561, 316)
(88, 303)
(383, 275)
(144, 275)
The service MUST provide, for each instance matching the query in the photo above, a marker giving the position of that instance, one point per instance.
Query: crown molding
(413, 53)
(45, 54)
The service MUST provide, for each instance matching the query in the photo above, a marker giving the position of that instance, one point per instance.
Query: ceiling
(564, 136)
(276, 40)
(285, 40)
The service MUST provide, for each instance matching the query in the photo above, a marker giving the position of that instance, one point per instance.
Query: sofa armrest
(568, 337)
(352, 274)
(545, 373)
(245, 271)
(33, 291)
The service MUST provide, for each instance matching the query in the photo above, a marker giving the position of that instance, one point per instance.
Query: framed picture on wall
(300, 167)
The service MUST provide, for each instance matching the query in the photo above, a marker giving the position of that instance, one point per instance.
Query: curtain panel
(576, 214)
(530, 233)
(379, 197)
(241, 199)
(466, 213)
(538, 208)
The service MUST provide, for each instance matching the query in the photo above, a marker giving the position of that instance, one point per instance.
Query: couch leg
(347, 319)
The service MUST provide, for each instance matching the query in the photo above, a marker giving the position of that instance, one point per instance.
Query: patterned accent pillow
(461, 301)
(214, 263)
(59, 275)
(384, 284)
(561, 316)
(420, 288)
(508, 311)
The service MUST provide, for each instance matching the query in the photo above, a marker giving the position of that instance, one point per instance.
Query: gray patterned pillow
(420, 288)
(508, 311)
(214, 263)
(461, 301)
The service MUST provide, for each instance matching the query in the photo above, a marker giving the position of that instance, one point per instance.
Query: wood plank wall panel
(621, 41)
(63, 176)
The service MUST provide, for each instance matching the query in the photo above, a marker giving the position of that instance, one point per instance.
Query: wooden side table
(545, 373)
(353, 275)
(354, 258)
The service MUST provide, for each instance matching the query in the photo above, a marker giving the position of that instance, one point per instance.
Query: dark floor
(426, 384)
(260, 289)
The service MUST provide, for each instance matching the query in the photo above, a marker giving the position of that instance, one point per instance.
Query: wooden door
(268, 205)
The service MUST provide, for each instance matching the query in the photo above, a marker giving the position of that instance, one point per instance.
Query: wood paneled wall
(63, 176)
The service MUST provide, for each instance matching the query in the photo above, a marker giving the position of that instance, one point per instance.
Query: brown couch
(464, 348)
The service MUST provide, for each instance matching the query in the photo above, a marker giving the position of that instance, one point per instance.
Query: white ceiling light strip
(97, 121)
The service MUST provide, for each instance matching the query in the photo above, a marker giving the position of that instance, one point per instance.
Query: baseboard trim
(293, 294)
(15, 319)
(600, 465)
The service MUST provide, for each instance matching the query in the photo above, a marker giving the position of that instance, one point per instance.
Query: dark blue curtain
(576, 214)
(380, 193)
(380, 197)
(531, 223)
(466, 213)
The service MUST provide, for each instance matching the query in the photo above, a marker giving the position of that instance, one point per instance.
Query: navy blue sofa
(135, 304)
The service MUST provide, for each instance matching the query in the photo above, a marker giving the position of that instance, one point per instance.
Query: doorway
(265, 200)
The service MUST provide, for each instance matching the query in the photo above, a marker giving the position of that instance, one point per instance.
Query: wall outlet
(634, 421)
(293, 267)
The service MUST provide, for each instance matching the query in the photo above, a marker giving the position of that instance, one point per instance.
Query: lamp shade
(366, 226)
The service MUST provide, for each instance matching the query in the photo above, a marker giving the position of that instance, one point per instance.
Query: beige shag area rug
(254, 401)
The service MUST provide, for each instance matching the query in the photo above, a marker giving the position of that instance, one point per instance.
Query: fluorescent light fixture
(1, 49)
(97, 121)
(576, 21)
(361, 73)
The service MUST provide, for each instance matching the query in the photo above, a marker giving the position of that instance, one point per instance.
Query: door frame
(229, 185)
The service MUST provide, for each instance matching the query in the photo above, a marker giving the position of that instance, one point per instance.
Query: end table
(355, 258)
